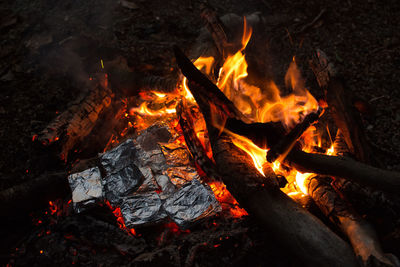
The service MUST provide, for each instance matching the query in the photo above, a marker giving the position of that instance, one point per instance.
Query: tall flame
(260, 104)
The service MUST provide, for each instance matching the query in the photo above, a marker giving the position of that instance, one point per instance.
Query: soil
(49, 49)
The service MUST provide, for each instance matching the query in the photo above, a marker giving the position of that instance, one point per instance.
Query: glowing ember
(224, 197)
(117, 213)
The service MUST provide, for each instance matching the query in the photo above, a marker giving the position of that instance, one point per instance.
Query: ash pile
(151, 178)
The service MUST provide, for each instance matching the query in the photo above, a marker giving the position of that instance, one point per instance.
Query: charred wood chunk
(264, 135)
(215, 27)
(194, 145)
(345, 115)
(77, 121)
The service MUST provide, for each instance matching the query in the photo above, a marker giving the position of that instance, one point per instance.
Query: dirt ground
(49, 49)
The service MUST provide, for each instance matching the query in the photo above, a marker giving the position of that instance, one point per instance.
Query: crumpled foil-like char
(86, 188)
(191, 203)
(123, 177)
(141, 209)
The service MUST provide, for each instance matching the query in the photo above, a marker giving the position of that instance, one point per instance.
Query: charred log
(77, 121)
(360, 233)
(215, 27)
(285, 144)
(369, 197)
(346, 168)
(344, 113)
(206, 164)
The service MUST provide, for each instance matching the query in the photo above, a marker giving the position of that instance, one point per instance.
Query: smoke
(76, 35)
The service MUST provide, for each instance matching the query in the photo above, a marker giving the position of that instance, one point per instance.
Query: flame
(204, 64)
(257, 154)
(258, 103)
(143, 109)
(224, 197)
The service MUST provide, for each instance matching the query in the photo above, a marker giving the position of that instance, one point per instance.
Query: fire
(202, 63)
(257, 154)
(224, 197)
(117, 213)
(264, 105)
(259, 104)
(143, 109)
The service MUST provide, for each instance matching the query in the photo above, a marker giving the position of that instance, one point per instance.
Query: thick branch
(303, 234)
(360, 233)
(345, 168)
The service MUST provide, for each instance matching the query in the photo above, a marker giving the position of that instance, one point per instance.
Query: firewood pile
(214, 162)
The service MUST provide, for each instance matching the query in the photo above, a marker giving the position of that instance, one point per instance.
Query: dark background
(50, 48)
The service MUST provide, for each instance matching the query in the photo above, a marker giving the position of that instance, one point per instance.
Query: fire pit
(220, 141)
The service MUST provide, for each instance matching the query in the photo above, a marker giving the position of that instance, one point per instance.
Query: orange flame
(143, 109)
(260, 104)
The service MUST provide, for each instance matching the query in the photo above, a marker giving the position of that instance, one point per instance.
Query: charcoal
(191, 203)
(86, 188)
(142, 209)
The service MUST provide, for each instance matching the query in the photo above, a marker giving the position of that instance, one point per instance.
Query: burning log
(346, 168)
(298, 230)
(195, 147)
(345, 115)
(286, 144)
(360, 233)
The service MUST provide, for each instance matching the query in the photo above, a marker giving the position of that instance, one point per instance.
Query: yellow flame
(143, 109)
(301, 178)
(260, 104)
(160, 95)
(257, 154)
